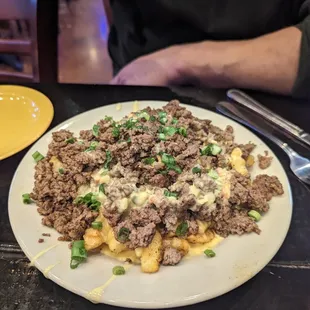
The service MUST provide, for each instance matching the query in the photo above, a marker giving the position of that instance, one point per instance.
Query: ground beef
(264, 162)
(171, 257)
(141, 236)
(246, 149)
(269, 185)
(192, 227)
(144, 216)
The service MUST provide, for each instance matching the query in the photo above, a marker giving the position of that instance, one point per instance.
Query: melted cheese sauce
(48, 269)
(198, 249)
(136, 106)
(95, 295)
(40, 254)
(119, 107)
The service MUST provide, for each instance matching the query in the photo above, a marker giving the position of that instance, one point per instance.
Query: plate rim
(155, 304)
(40, 132)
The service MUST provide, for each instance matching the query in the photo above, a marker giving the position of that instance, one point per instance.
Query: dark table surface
(283, 284)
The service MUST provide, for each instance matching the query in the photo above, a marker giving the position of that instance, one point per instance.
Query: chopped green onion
(209, 253)
(108, 160)
(167, 159)
(108, 118)
(78, 253)
(128, 140)
(174, 121)
(152, 118)
(144, 114)
(101, 188)
(182, 229)
(96, 225)
(123, 234)
(176, 168)
(211, 149)
(170, 194)
(162, 117)
(115, 132)
(80, 141)
(149, 160)
(92, 147)
(183, 131)
(216, 149)
(162, 137)
(37, 156)
(96, 130)
(170, 131)
(70, 140)
(130, 123)
(213, 174)
(90, 200)
(254, 215)
(196, 170)
(118, 270)
(26, 199)
(61, 170)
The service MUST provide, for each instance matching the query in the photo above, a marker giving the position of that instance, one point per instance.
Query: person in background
(261, 45)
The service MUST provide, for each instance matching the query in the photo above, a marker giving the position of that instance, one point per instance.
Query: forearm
(269, 62)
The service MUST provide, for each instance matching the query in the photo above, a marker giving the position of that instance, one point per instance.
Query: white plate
(194, 280)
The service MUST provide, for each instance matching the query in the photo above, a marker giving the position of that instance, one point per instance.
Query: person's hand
(156, 69)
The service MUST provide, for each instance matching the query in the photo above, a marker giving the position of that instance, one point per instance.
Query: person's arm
(268, 63)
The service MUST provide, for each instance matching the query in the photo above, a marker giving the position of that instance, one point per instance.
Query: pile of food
(148, 188)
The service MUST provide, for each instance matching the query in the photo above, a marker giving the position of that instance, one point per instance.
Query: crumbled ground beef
(171, 257)
(264, 162)
(131, 152)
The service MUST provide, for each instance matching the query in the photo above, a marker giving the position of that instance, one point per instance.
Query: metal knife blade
(250, 103)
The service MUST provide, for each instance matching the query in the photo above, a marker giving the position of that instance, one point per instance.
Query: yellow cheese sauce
(40, 254)
(48, 269)
(118, 107)
(135, 106)
(198, 249)
(96, 294)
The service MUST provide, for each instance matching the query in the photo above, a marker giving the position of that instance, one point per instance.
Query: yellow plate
(25, 114)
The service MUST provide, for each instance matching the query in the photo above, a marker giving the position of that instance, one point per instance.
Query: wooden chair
(41, 46)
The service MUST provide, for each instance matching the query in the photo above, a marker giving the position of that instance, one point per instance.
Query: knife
(274, 118)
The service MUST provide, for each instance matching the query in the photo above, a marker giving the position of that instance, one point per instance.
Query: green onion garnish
(61, 170)
(123, 234)
(118, 270)
(78, 253)
(169, 130)
(152, 118)
(162, 117)
(26, 199)
(101, 188)
(213, 174)
(37, 156)
(181, 229)
(209, 253)
(162, 137)
(183, 131)
(144, 114)
(170, 194)
(130, 123)
(254, 215)
(108, 118)
(148, 161)
(90, 200)
(196, 170)
(174, 121)
(211, 149)
(92, 146)
(96, 225)
(70, 140)
(96, 130)
(170, 163)
(108, 160)
(115, 132)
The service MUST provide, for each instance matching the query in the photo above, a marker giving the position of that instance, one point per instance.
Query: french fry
(179, 244)
(250, 161)
(201, 238)
(152, 255)
(125, 256)
(237, 162)
(114, 245)
(93, 239)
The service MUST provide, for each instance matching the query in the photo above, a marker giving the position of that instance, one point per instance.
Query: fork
(299, 165)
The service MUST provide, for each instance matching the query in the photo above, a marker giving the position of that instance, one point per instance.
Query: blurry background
(82, 43)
